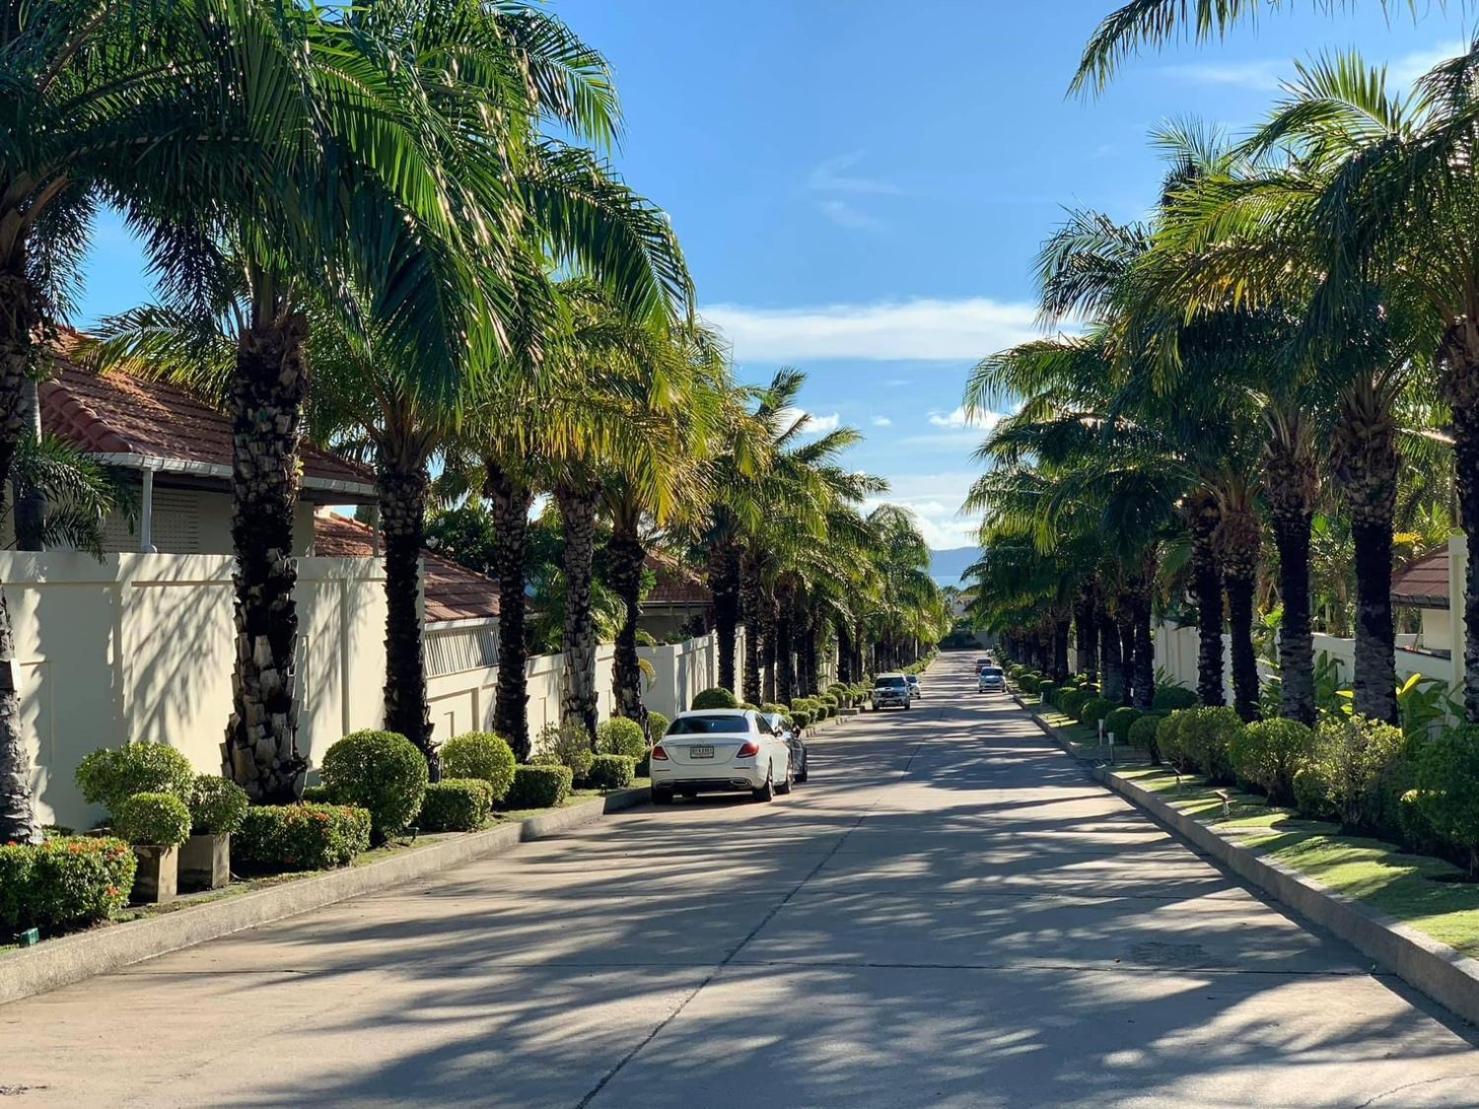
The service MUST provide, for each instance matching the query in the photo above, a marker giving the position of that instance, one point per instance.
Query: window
(708, 725)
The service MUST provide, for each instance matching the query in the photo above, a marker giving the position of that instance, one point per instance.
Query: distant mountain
(947, 566)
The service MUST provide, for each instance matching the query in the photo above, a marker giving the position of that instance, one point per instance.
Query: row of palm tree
(1287, 339)
(390, 227)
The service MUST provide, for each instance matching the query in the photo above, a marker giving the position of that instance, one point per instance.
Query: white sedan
(715, 750)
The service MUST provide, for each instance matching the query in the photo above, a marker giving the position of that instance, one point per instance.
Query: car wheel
(767, 791)
(662, 796)
(785, 786)
(804, 772)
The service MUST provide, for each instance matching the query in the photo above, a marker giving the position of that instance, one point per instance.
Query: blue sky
(861, 185)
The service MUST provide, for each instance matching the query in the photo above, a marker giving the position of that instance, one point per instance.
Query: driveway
(949, 913)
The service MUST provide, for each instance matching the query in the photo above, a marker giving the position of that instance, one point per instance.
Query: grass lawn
(1408, 887)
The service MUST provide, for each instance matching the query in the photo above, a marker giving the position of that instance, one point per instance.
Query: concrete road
(949, 913)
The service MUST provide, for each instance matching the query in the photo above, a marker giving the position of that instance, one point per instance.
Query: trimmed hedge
(217, 807)
(381, 772)
(1169, 698)
(715, 698)
(1143, 733)
(539, 787)
(800, 717)
(316, 795)
(159, 819)
(456, 805)
(1070, 701)
(1206, 736)
(112, 775)
(1168, 742)
(482, 755)
(1047, 691)
(657, 725)
(1096, 709)
(620, 736)
(1349, 764)
(64, 883)
(1445, 802)
(1268, 753)
(613, 771)
(1120, 720)
(275, 838)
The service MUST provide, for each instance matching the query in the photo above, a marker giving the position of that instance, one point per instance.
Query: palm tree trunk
(724, 584)
(1144, 677)
(260, 752)
(810, 669)
(510, 500)
(1206, 588)
(30, 501)
(19, 318)
(1458, 380)
(626, 556)
(1060, 648)
(1289, 489)
(767, 646)
(845, 672)
(1085, 654)
(1238, 541)
(1112, 678)
(578, 703)
(1125, 619)
(403, 519)
(785, 676)
(752, 594)
(1365, 462)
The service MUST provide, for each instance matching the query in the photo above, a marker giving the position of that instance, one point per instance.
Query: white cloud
(923, 329)
(882, 421)
(831, 176)
(1262, 75)
(815, 425)
(935, 500)
(844, 214)
(1404, 71)
(984, 421)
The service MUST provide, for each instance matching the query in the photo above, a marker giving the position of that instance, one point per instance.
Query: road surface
(949, 913)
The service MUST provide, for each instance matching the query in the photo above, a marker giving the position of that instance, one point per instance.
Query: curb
(69, 959)
(1434, 968)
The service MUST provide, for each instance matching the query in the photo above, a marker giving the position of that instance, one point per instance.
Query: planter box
(157, 879)
(205, 863)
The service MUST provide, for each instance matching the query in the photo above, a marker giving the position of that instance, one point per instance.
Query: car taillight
(659, 754)
(748, 749)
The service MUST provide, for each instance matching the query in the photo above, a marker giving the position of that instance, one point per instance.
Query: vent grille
(461, 649)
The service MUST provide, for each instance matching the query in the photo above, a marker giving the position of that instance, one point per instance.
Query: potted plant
(217, 808)
(155, 824)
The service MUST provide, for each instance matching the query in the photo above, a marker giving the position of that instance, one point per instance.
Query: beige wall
(139, 647)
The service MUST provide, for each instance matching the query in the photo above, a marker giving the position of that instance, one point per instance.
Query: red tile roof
(1423, 581)
(453, 592)
(676, 584)
(116, 413)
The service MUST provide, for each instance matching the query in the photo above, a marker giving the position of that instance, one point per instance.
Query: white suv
(890, 691)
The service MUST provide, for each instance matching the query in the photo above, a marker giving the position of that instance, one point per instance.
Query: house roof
(133, 422)
(676, 584)
(453, 592)
(1423, 581)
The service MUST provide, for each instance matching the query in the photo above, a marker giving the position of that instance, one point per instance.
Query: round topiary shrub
(538, 787)
(1169, 698)
(1267, 753)
(715, 698)
(153, 819)
(1353, 756)
(657, 725)
(1206, 735)
(1096, 709)
(1119, 721)
(613, 771)
(620, 736)
(1070, 701)
(381, 772)
(1029, 683)
(217, 807)
(1168, 742)
(482, 755)
(800, 717)
(1143, 734)
(112, 775)
(456, 805)
(1047, 691)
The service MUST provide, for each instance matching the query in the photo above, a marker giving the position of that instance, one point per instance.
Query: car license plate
(701, 752)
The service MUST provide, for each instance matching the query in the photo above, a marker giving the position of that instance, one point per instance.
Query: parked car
(914, 690)
(990, 679)
(890, 691)
(794, 740)
(717, 750)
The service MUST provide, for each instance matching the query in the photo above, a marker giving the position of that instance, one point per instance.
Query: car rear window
(889, 683)
(707, 725)
(990, 672)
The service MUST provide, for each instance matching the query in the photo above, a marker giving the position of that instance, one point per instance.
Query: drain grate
(1180, 956)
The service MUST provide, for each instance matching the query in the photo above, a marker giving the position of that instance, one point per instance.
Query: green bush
(715, 698)
(1168, 742)
(316, 795)
(1029, 683)
(1047, 691)
(657, 725)
(112, 775)
(538, 787)
(620, 736)
(1120, 720)
(1169, 698)
(1205, 736)
(1143, 733)
(1447, 793)
(381, 772)
(1312, 793)
(1070, 701)
(276, 838)
(217, 807)
(1268, 753)
(1095, 709)
(800, 717)
(567, 745)
(67, 882)
(613, 771)
(1348, 764)
(775, 706)
(482, 755)
(159, 819)
(456, 805)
